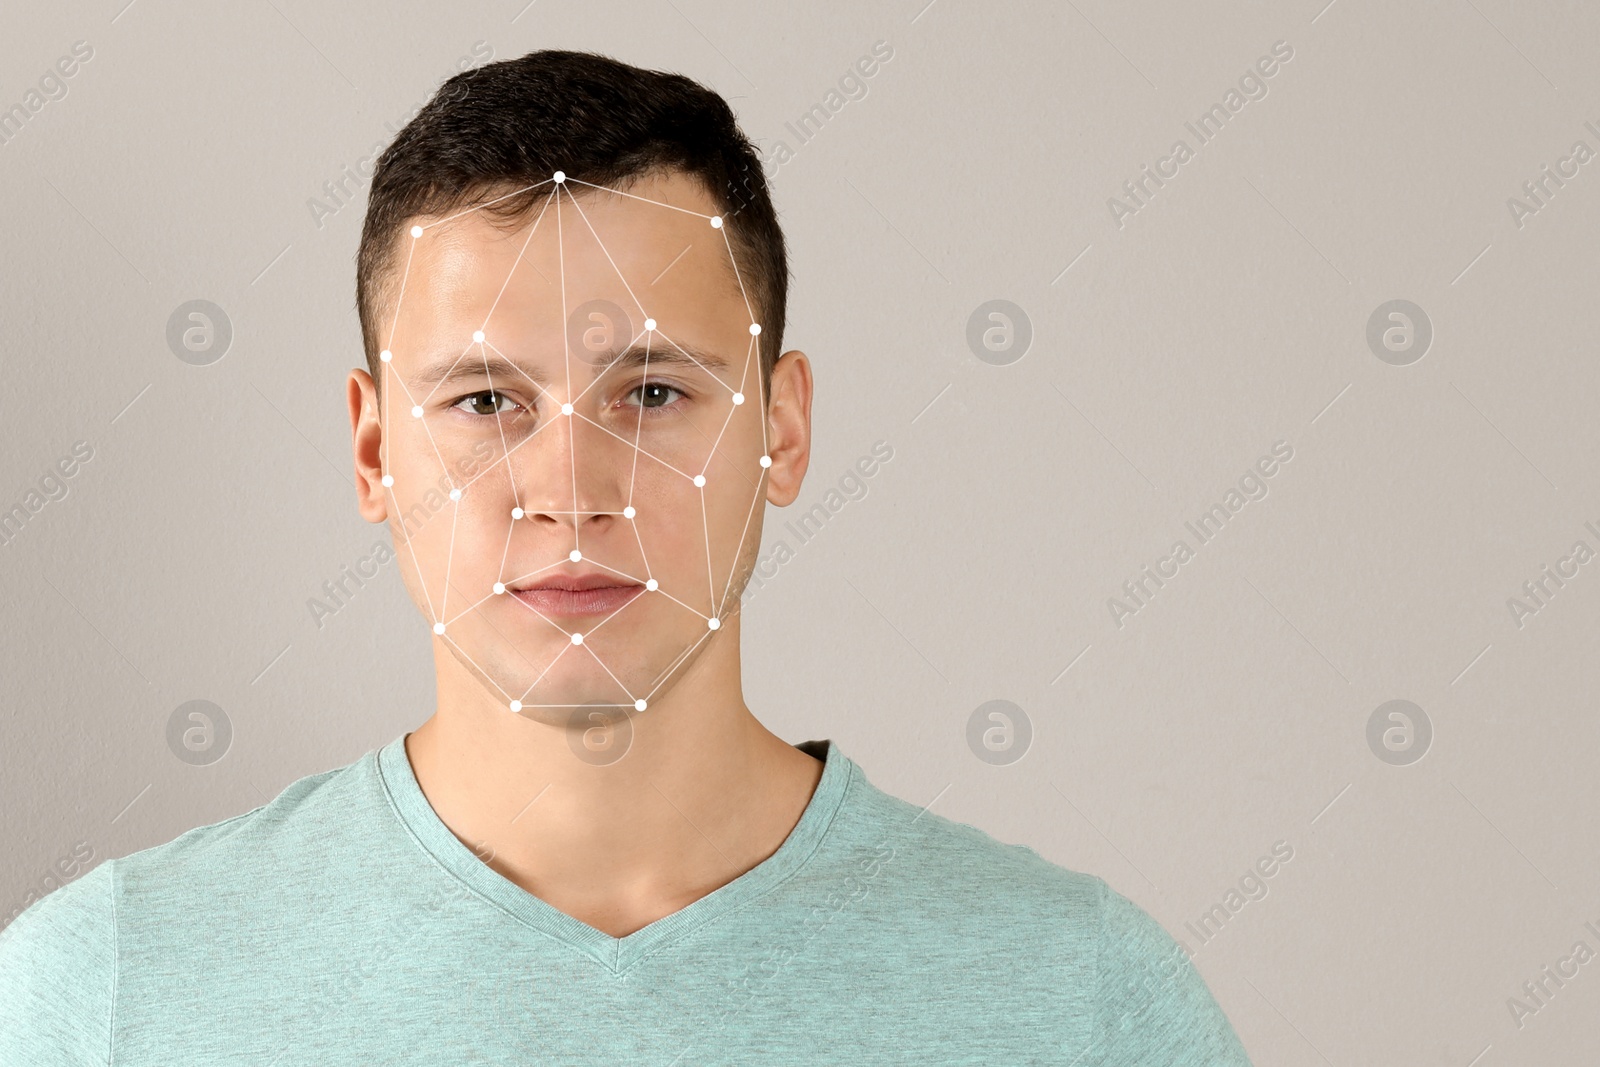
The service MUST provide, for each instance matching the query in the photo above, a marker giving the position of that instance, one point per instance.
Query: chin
(535, 663)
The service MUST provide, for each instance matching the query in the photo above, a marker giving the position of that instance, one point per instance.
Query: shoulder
(205, 868)
(1076, 942)
(65, 957)
(58, 975)
(961, 854)
(297, 828)
(1153, 1005)
(957, 878)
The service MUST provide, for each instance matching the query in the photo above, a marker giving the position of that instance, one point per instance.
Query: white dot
(438, 627)
(386, 355)
(652, 585)
(577, 639)
(628, 512)
(416, 231)
(766, 461)
(388, 480)
(455, 494)
(699, 480)
(713, 624)
(516, 705)
(517, 513)
(416, 412)
(477, 335)
(716, 222)
(499, 587)
(574, 555)
(755, 328)
(738, 398)
(561, 176)
(566, 409)
(639, 705)
(649, 324)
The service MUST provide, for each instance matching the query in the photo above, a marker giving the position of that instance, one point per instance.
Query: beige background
(1168, 754)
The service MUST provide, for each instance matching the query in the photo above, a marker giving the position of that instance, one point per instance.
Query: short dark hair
(510, 124)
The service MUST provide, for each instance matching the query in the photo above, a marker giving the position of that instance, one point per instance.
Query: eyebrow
(470, 367)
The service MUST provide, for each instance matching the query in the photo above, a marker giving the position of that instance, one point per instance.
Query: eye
(650, 394)
(485, 404)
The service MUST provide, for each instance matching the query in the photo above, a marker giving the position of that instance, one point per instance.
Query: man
(571, 285)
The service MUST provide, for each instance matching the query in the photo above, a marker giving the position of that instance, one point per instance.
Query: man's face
(648, 470)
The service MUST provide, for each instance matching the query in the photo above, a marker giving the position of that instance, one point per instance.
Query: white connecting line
(481, 343)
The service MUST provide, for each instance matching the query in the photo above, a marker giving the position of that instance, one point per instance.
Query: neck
(686, 797)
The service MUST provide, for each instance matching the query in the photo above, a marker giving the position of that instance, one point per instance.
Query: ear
(788, 427)
(366, 439)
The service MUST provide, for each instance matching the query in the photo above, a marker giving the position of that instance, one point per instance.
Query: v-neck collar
(617, 954)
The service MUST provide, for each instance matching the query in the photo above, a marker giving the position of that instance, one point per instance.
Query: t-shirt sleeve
(1154, 1009)
(57, 976)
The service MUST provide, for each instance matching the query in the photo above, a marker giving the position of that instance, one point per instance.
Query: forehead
(648, 247)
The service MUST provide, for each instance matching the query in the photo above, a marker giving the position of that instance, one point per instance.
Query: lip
(577, 595)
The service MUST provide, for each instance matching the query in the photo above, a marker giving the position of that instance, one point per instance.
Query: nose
(573, 473)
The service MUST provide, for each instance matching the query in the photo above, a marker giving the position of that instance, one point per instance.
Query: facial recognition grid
(480, 344)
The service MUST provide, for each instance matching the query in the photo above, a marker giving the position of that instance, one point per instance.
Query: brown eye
(651, 394)
(486, 403)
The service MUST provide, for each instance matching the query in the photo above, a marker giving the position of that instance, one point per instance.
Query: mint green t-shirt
(343, 922)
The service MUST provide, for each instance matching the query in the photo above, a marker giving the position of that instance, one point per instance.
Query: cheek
(735, 491)
(689, 535)
(425, 471)
(668, 517)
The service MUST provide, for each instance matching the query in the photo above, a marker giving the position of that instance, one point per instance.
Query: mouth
(576, 596)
